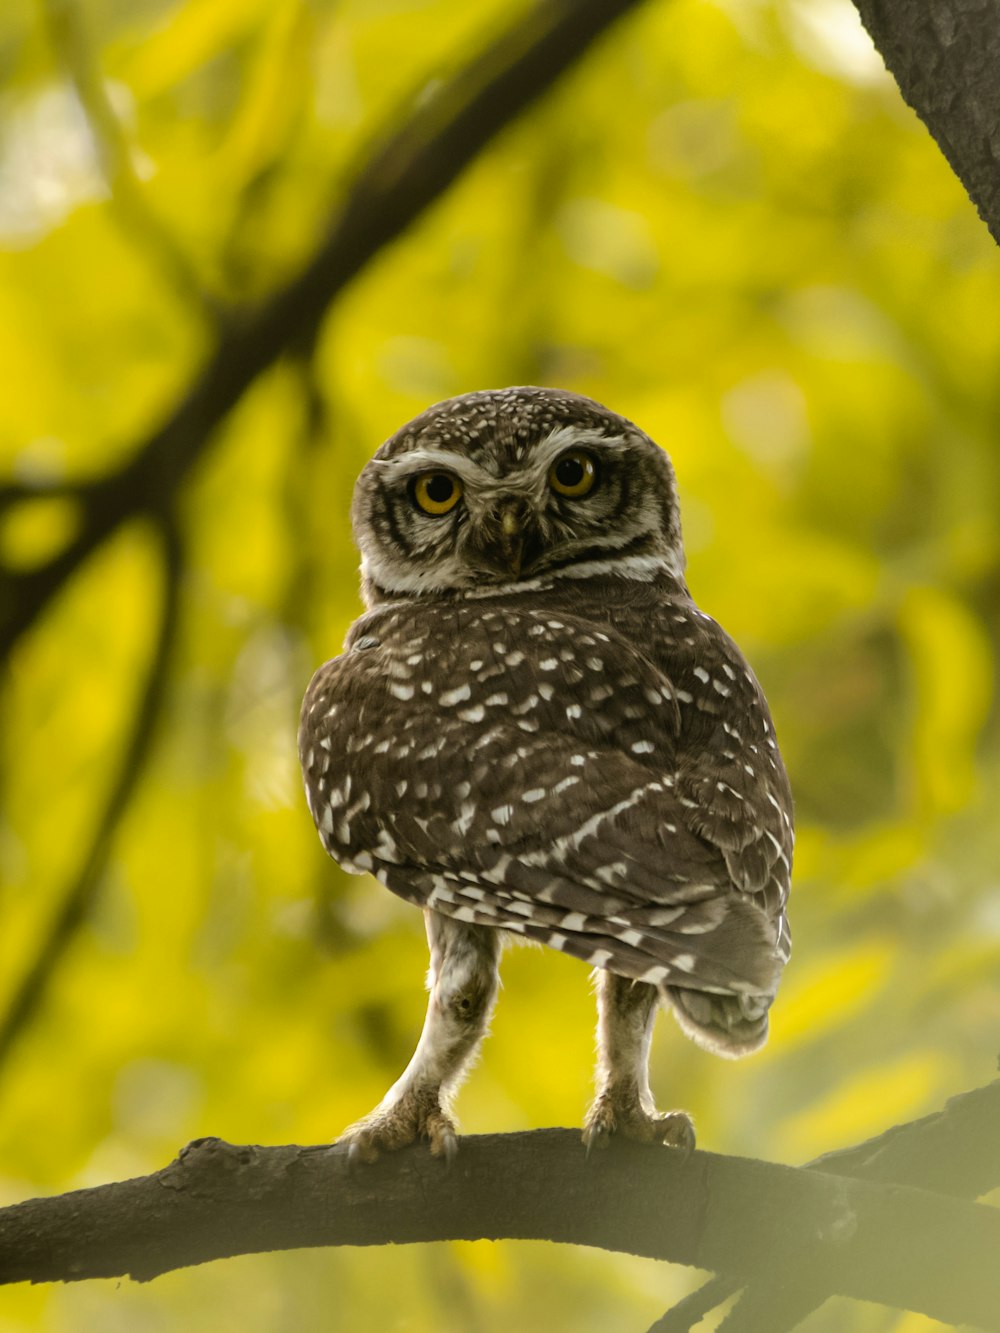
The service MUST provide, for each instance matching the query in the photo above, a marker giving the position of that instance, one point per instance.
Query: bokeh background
(723, 223)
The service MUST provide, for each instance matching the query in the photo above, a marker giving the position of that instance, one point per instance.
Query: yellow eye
(436, 492)
(573, 474)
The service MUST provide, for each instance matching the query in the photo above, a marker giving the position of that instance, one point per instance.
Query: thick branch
(900, 1246)
(407, 169)
(955, 1151)
(944, 54)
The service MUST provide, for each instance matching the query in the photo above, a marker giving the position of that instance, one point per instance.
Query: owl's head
(494, 489)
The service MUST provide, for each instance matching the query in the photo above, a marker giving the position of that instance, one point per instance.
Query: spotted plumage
(534, 730)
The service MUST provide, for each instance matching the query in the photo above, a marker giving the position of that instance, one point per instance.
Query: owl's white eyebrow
(572, 437)
(546, 451)
(427, 460)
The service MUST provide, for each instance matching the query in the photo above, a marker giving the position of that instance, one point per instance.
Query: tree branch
(406, 170)
(955, 1151)
(944, 54)
(83, 887)
(900, 1246)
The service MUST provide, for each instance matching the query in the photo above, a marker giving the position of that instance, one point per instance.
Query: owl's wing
(730, 778)
(528, 771)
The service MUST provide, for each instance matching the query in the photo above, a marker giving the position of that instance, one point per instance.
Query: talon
(387, 1129)
(678, 1132)
(611, 1114)
(361, 1151)
(601, 1123)
(595, 1136)
(449, 1149)
(443, 1139)
(354, 1158)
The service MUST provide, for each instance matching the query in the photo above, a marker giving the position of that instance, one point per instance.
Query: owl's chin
(378, 587)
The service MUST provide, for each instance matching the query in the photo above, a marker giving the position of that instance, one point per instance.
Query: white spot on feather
(654, 975)
(457, 696)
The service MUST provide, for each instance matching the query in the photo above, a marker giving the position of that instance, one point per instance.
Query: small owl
(534, 732)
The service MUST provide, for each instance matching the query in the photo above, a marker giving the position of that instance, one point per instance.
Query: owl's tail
(730, 1025)
(731, 1019)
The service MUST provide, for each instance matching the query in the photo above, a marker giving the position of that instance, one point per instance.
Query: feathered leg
(463, 979)
(624, 1104)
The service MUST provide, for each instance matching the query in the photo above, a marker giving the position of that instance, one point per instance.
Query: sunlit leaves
(726, 225)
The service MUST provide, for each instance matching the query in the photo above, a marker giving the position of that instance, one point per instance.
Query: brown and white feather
(577, 755)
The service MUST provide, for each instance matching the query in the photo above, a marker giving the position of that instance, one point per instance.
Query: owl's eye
(573, 474)
(436, 492)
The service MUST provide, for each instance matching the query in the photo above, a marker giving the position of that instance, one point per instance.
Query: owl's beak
(512, 539)
(506, 537)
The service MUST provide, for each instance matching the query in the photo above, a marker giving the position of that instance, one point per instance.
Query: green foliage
(725, 225)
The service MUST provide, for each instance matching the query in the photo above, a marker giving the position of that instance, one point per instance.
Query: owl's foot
(389, 1128)
(613, 1113)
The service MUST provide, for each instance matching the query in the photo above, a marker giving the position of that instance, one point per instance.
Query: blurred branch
(903, 1247)
(954, 1152)
(688, 1313)
(406, 169)
(73, 49)
(944, 56)
(79, 897)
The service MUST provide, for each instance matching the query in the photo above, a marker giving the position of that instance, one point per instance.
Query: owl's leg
(624, 1104)
(463, 981)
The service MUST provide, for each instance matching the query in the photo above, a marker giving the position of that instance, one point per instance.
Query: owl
(534, 733)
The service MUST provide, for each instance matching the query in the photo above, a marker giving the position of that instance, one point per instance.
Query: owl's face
(498, 489)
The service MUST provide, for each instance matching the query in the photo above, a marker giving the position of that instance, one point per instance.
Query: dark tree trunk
(945, 56)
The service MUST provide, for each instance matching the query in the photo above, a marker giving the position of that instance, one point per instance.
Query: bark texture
(945, 56)
(897, 1245)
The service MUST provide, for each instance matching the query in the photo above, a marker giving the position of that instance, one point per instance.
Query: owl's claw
(387, 1129)
(448, 1150)
(610, 1115)
(354, 1159)
(677, 1131)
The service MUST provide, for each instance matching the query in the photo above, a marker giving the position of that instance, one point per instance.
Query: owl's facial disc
(496, 512)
